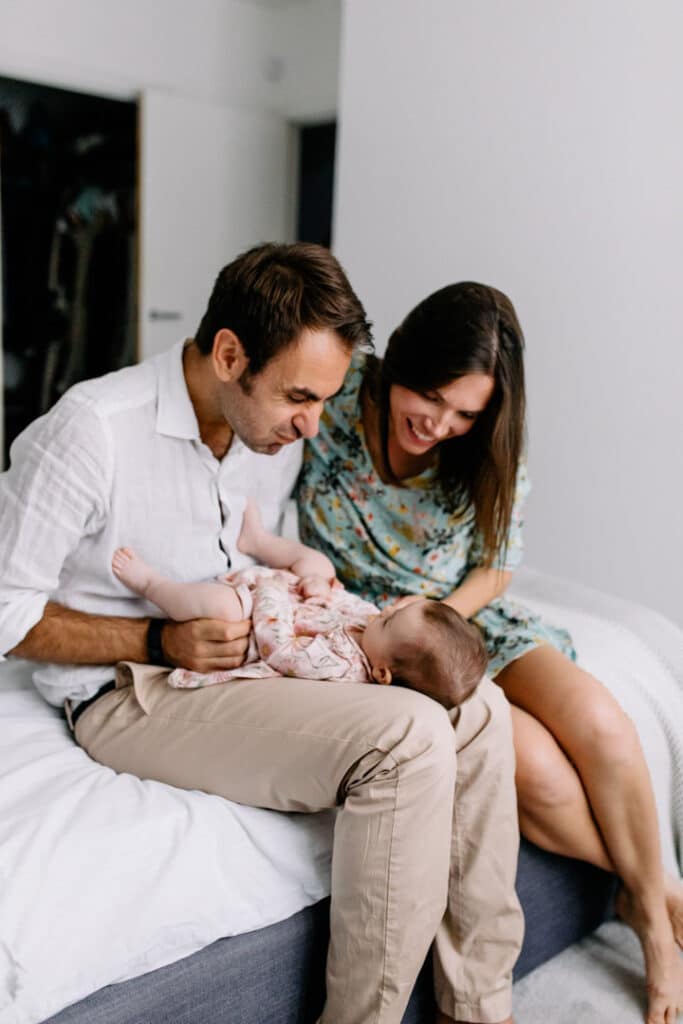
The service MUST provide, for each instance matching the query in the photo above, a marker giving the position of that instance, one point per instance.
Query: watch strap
(155, 650)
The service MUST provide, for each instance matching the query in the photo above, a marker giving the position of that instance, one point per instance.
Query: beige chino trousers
(409, 863)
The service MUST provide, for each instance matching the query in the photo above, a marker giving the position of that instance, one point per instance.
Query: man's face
(284, 401)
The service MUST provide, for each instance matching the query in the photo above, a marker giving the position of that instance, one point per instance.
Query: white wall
(537, 146)
(306, 38)
(279, 58)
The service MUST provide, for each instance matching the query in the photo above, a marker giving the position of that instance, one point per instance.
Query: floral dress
(387, 540)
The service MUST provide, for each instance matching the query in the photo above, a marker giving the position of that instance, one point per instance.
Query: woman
(415, 487)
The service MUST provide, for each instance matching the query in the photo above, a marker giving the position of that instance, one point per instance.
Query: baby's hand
(315, 586)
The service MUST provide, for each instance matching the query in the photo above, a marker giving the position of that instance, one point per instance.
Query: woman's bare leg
(180, 601)
(601, 743)
(554, 812)
(279, 552)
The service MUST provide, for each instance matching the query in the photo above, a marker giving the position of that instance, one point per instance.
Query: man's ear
(228, 356)
(381, 674)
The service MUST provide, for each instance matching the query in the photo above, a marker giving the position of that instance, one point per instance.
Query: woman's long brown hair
(462, 329)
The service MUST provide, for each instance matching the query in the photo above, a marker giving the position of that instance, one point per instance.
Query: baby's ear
(381, 674)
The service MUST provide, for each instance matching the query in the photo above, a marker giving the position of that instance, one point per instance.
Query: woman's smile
(418, 436)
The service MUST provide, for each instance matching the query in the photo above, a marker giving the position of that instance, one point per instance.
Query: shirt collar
(175, 413)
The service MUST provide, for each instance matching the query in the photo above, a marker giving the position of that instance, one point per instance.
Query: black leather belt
(85, 704)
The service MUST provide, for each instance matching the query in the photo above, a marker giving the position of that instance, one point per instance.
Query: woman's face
(419, 421)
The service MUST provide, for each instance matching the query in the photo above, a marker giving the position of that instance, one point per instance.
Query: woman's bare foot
(673, 888)
(663, 963)
(131, 570)
(251, 533)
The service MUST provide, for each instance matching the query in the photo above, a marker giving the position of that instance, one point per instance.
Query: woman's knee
(601, 733)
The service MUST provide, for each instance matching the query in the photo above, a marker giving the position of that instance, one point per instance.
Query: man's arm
(67, 637)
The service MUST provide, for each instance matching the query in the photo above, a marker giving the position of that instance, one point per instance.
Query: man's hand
(206, 645)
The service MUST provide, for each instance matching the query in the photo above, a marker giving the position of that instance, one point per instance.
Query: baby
(306, 625)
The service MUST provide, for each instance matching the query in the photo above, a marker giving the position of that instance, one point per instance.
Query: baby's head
(427, 646)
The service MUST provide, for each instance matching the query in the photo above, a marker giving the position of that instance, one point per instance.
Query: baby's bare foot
(252, 530)
(663, 963)
(131, 570)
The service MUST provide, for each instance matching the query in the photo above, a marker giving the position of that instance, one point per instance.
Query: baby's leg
(180, 601)
(279, 552)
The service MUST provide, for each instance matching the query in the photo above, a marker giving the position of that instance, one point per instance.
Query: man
(161, 457)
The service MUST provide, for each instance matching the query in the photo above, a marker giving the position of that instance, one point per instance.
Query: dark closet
(68, 172)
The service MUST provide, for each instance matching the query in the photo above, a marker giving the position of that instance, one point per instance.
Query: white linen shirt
(119, 461)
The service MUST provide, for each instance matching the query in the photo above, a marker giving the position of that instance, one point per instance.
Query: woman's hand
(479, 588)
(401, 602)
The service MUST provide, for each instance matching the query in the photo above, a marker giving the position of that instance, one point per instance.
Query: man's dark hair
(269, 294)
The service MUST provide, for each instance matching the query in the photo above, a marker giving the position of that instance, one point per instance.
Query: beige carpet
(600, 980)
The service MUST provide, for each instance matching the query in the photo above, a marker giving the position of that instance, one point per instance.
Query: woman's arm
(479, 588)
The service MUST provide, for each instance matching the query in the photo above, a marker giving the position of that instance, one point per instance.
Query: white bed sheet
(104, 877)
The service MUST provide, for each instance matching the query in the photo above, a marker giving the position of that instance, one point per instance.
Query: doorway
(68, 222)
(316, 182)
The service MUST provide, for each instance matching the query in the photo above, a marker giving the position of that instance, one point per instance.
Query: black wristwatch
(155, 650)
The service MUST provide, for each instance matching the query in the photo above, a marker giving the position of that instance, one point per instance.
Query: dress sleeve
(511, 556)
(280, 646)
(53, 495)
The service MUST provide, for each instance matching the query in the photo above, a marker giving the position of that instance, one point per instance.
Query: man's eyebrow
(304, 393)
(311, 395)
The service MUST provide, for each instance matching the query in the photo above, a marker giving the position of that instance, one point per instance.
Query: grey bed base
(276, 975)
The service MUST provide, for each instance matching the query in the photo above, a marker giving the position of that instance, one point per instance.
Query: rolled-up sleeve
(53, 495)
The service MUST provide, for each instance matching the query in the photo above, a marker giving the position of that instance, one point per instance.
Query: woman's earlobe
(381, 674)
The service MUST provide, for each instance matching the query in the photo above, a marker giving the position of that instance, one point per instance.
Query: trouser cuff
(491, 1009)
